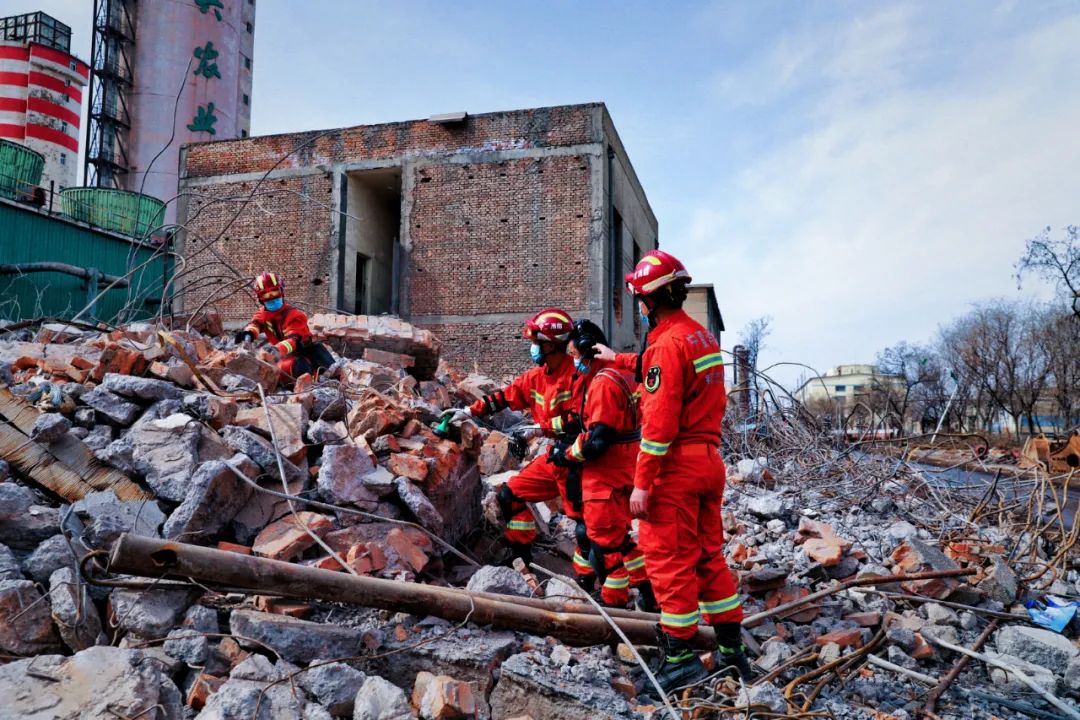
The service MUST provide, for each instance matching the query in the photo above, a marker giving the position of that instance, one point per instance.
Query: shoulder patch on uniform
(652, 378)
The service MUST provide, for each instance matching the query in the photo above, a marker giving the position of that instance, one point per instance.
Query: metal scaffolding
(111, 66)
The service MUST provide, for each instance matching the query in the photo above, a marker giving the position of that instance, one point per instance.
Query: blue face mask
(582, 365)
(536, 353)
(274, 305)
(644, 315)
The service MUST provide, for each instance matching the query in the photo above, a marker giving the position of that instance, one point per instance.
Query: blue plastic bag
(1054, 614)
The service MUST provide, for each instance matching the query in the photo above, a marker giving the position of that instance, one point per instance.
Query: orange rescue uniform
(679, 464)
(611, 399)
(287, 330)
(548, 394)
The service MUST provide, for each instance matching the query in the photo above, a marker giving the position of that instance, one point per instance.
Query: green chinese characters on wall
(207, 68)
(204, 119)
(205, 55)
(205, 6)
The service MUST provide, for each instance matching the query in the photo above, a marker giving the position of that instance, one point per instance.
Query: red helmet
(654, 270)
(551, 325)
(268, 287)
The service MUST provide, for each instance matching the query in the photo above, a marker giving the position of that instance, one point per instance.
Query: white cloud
(902, 202)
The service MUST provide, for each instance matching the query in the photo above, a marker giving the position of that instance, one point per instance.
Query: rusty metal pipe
(156, 558)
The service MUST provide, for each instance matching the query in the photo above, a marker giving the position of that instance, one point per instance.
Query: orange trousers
(540, 481)
(683, 540)
(606, 487)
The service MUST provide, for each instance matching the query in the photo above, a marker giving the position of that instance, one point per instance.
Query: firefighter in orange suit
(547, 392)
(679, 479)
(607, 448)
(286, 329)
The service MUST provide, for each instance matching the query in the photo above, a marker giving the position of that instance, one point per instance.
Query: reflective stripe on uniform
(288, 346)
(520, 525)
(574, 452)
(634, 563)
(684, 620)
(561, 398)
(582, 562)
(617, 583)
(538, 397)
(557, 423)
(654, 448)
(715, 607)
(705, 362)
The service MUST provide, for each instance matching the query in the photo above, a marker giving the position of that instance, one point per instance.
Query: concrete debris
(73, 611)
(26, 626)
(296, 640)
(378, 699)
(98, 682)
(798, 518)
(50, 427)
(334, 686)
(504, 580)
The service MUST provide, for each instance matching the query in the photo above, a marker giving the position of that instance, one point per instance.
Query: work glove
(456, 415)
(557, 455)
(244, 336)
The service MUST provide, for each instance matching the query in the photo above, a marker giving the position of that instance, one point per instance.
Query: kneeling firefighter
(546, 391)
(286, 330)
(606, 451)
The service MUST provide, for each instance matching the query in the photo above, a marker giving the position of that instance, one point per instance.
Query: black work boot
(679, 664)
(731, 657)
(646, 599)
(587, 583)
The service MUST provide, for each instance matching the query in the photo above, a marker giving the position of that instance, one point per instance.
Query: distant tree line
(1002, 366)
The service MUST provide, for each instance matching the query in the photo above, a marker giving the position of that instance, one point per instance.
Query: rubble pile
(164, 433)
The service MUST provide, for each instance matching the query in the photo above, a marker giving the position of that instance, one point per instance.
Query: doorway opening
(372, 255)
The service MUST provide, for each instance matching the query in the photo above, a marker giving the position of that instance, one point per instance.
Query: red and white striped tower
(40, 104)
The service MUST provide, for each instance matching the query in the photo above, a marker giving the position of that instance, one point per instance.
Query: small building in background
(462, 224)
(41, 91)
(843, 384)
(702, 306)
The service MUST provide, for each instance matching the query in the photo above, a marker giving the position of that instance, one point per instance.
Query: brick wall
(502, 235)
(499, 237)
(285, 228)
(520, 129)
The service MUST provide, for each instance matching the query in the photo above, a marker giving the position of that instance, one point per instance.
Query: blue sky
(859, 171)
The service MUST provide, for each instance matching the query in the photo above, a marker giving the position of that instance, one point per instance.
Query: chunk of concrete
(261, 451)
(9, 565)
(769, 506)
(51, 555)
(49, 427)
(497, 579)
(165, 451)
(765, 694)
(74, 612)
(378, 699)
(141, 388)
(296, 640)
(341, 474)
(333, 685)
(99, 682)
(248, 700)
(1044, 648)
(110, 407)
(106, 517)
(532, 685)
(26, 626)
(214, 497)
(1005, 680)
(417, 502)
(149, 613)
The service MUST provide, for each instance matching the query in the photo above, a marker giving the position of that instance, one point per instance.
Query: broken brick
(410, 466)
(204, 686)
(788, 594)
(287, 538)
(828, 551)
(851, 637)
(403, 546)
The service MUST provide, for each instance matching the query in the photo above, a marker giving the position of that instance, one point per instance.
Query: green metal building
(36, 240)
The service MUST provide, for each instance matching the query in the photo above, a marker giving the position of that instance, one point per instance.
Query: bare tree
(752, 337)
(1057, 261)
(1059, 336)
(995, 349)
(906, 372)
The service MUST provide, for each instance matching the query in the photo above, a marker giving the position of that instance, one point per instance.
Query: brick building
(461, 224)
